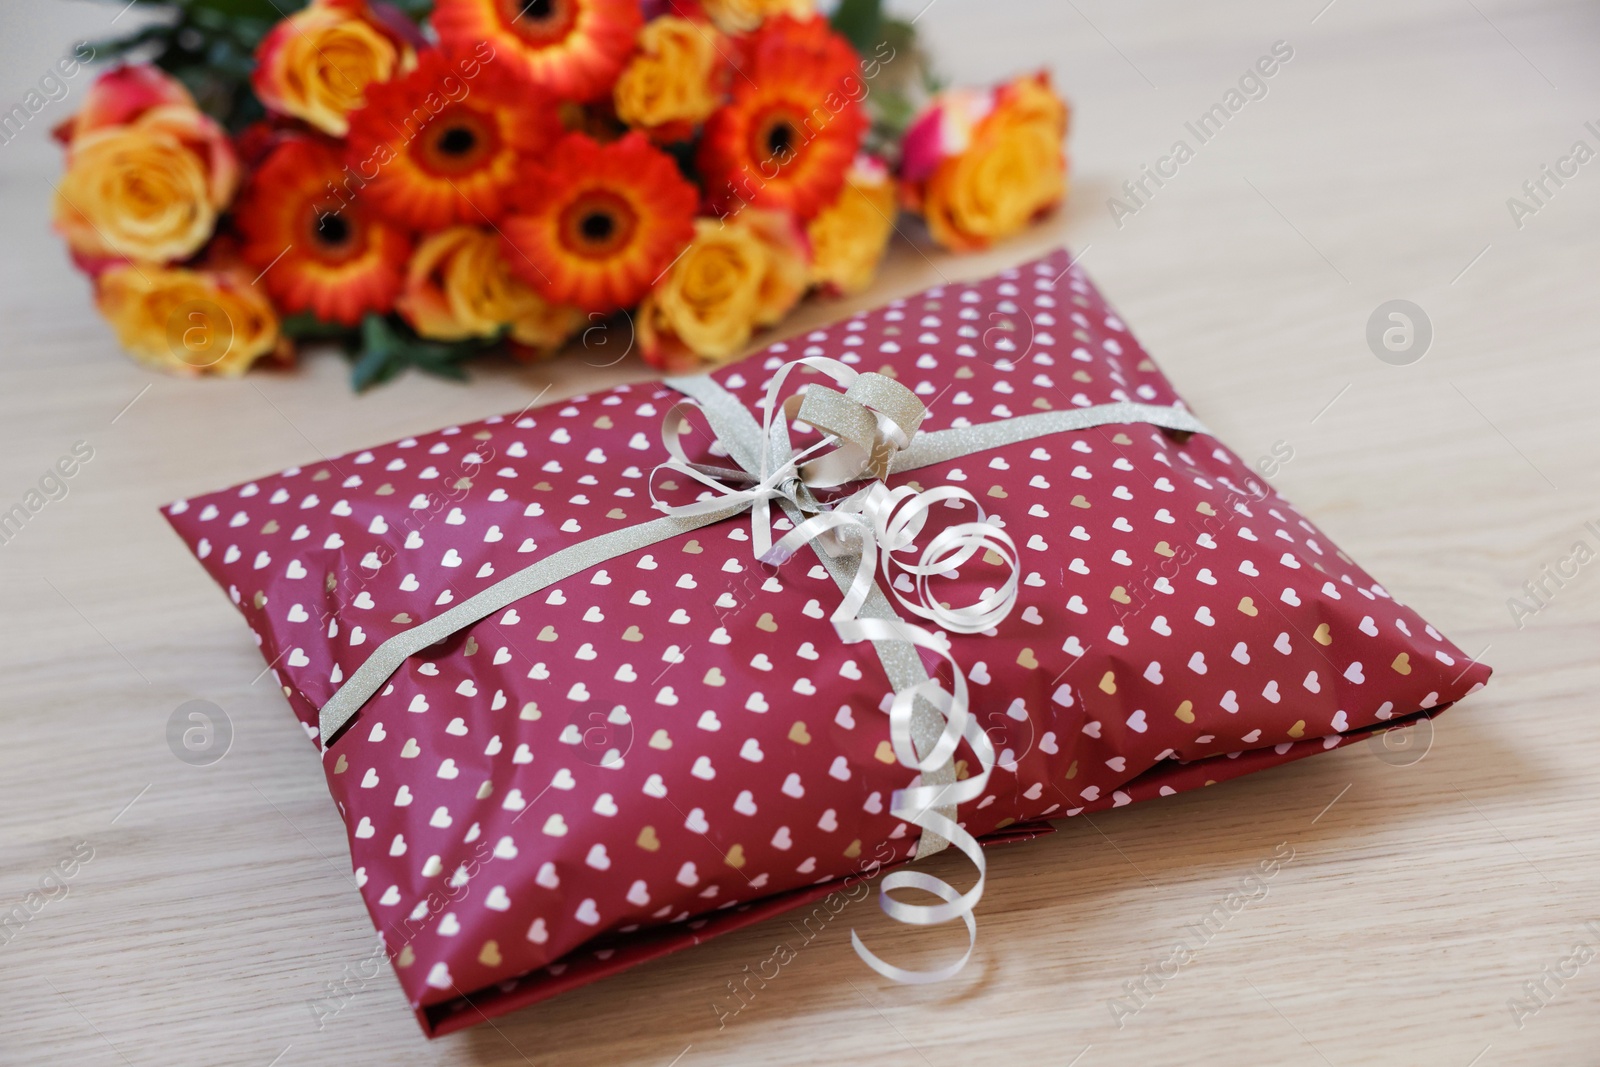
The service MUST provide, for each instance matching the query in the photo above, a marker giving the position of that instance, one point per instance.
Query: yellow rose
(1004, 171)
(670, 85)
(736, 276)
(149, 190)
(788, 271)
(459, 286)
(187, 321)
(742, 16)
(540, 328)
(317, 63)
(849, 237)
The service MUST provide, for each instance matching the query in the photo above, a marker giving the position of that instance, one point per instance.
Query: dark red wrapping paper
(677, 743)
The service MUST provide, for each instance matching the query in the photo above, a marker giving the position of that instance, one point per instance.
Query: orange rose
(147, 173)
(849, 238)
(736, 276)
(742, 16)
(317, 63)
(458, 286)
(981, 166)
(187, 321)
(673, 83)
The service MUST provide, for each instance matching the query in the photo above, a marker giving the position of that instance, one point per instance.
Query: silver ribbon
(864, 429)
(869, 431)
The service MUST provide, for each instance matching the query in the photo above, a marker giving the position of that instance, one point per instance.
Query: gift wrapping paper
(676, 742)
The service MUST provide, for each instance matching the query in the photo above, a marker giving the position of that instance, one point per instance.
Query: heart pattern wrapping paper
(676, 742)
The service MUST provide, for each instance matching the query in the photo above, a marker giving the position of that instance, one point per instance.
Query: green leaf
(901, 36)
(902, 86)
(305, 326)
(389, 347)
(376, 336)
(373, 366)
(860, 22)
(416, 10)
(892, 114)
(265, 10)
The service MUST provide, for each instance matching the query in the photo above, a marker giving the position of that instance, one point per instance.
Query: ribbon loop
(892, 401)
(863, 429)
(856, 429)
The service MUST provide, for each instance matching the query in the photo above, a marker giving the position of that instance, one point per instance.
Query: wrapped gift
(594, 682)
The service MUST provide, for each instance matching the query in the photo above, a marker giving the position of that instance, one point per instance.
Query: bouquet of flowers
(424, 182)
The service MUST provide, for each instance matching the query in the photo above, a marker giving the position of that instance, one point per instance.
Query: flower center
(598, 224)
(540, 22)
(778, 139)
(460, 140)
(334, 236)
(332, 230)
(457, 141)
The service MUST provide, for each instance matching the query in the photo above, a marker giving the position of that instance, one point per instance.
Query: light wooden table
(1420, 899)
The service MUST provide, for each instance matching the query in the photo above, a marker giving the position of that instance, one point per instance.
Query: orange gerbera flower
(316, 251)
(595, 224)
(442, 144)
(794, 125)
(574, 48)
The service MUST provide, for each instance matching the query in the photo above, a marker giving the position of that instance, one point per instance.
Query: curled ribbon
(863, 428)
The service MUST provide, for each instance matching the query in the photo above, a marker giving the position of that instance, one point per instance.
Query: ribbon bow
(864, 428)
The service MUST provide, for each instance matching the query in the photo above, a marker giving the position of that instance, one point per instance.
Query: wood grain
(1420, 898)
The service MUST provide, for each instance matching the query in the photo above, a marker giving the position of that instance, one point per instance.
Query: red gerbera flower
(316, 250)
(574, 48)
(794, 126)
(441, 145)
(595, 224)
